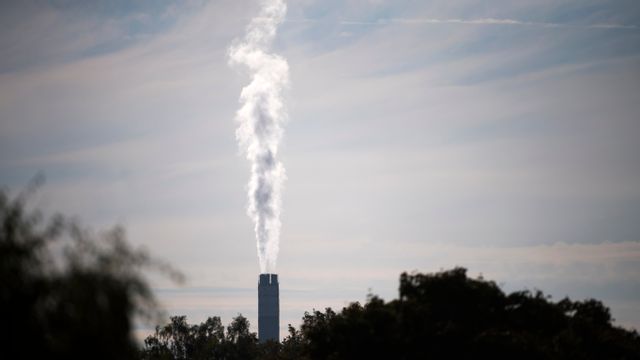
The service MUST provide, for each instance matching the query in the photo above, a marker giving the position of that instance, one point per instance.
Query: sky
(496, 135)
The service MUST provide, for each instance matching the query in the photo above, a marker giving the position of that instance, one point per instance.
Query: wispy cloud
(480, 21)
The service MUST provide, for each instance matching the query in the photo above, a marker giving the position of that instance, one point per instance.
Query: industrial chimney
(268, 308)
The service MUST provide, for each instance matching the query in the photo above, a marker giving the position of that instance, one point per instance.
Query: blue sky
(495, 135)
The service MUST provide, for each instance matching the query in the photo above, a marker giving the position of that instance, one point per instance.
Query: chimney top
(268, 279)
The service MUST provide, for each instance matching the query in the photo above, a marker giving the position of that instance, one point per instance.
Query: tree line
(445, 315)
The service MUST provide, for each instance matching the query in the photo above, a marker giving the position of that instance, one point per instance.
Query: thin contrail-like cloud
(481, 21)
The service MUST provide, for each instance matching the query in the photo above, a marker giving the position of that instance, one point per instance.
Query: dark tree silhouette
(66, 294)
(208, 340)
(450, 316)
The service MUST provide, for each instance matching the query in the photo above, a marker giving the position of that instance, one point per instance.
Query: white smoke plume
(260, 117)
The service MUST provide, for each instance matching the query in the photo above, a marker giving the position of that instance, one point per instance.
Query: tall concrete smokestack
(268, 308)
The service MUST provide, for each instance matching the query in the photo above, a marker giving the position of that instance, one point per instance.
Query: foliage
(445, 315)
(66, 293)
(448, 315)
(179, 340)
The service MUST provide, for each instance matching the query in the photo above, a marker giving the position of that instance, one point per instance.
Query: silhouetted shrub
(66, 294)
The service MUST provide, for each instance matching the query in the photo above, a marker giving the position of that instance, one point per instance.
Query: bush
(65, 293)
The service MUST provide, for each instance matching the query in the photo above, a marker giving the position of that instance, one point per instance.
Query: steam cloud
(260, 117)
